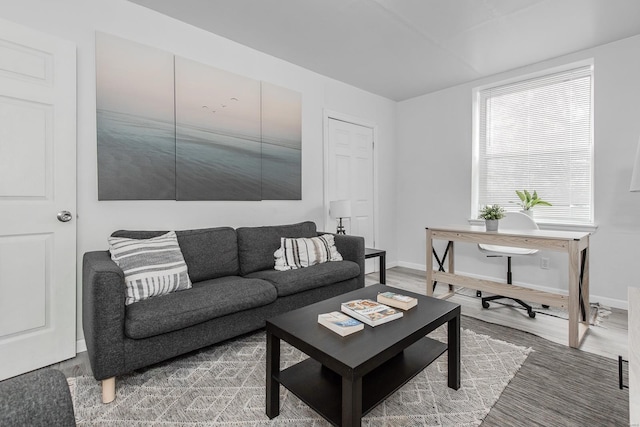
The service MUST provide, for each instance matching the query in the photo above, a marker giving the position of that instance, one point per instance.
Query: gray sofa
(235, 289)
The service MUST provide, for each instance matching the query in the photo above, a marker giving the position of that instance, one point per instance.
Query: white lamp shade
(340, 209)
(635, 175)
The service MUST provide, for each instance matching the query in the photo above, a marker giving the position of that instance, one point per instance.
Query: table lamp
(339, 209)
(635, 175)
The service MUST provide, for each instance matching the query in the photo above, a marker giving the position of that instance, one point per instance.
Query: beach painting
(281, 143)
(170, 128)
(218, 147)
(135, 121)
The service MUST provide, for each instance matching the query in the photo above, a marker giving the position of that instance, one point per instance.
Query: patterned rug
(223, 385)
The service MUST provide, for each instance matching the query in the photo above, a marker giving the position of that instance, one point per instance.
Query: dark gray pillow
(208, 252)
(256, 245)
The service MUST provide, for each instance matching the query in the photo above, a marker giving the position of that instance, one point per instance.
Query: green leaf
(491, 212)
(529, 200)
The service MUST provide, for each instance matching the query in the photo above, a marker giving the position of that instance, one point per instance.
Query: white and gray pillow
(305, 252)
(151, 267)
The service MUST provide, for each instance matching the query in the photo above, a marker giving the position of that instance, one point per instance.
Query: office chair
(513, 221)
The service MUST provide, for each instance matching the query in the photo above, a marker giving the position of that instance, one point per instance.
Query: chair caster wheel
(479, 294)
(545, 306)
(532, 314)
(485, 304)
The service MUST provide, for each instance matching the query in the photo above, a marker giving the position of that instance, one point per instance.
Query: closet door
(351, 177)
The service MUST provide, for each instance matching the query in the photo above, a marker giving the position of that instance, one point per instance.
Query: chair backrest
(517, 221)
(512, 221)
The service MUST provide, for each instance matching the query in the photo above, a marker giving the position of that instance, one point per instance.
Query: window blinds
(536, 134)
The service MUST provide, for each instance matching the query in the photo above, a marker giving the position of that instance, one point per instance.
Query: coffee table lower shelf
(319, 387)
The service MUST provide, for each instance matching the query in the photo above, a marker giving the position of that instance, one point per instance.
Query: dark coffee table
(346, 377)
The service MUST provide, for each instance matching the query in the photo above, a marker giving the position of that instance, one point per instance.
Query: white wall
(434, 176)
(77, 21)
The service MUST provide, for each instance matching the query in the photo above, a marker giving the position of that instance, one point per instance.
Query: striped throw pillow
(151, 267)
(300, 253)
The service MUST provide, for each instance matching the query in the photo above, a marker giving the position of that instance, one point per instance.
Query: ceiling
(400, 49)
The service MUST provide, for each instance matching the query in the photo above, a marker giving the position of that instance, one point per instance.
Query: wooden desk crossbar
(574, 244)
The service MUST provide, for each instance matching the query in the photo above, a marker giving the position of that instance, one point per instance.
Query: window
(537, 134)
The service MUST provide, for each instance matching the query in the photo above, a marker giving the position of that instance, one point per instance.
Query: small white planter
(491, 224)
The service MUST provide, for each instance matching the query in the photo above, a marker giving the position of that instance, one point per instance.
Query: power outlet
(544, 263)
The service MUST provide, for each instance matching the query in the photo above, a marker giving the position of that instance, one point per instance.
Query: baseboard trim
(411, 265)
(609, 302)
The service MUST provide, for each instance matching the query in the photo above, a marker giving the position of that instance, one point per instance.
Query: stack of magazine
(396, 300)
(367, 311)
(340, 323)
(370, 312)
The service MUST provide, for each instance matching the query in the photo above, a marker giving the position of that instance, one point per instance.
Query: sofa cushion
(256, 245)
(304, 252)
(294, 281)
(209, 252)
(204, 301)
(152, 267)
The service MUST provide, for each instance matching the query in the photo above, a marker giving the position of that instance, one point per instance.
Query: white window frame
(591, 225)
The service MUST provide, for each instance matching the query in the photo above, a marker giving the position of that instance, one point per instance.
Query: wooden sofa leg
(109, 390)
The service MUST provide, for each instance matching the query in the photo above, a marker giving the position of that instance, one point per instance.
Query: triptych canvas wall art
(170, 128)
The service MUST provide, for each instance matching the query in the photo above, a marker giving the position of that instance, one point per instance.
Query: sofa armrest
(103, 313)
(352, 249)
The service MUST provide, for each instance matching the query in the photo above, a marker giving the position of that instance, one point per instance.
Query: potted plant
(491, 214)
(528, 201)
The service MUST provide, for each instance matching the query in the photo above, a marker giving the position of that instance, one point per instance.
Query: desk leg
(579, 310)
(383, 268)
(429, 263)
(453, 352)
(452, 265)
(574, 294)
(431, 253)
(351, 401)
(574, 303)
(441, 262)
(273, 367)
(584, 284)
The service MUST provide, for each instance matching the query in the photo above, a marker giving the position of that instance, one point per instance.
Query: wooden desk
(574, 244)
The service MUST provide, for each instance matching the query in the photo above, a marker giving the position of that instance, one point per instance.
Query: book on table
(370, 312)
(340, 323)
(397, 300)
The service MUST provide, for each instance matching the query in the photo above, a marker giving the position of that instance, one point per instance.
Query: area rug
(223, 385)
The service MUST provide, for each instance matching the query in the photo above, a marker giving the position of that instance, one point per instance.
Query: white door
(350, 177)
(37, 180)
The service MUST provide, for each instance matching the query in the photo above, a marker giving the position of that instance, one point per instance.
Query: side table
(382, 255)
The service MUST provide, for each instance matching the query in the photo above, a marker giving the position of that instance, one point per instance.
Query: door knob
(64, 216)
